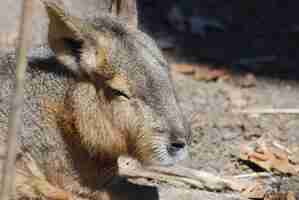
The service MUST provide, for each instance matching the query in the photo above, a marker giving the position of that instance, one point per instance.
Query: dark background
(259, 36)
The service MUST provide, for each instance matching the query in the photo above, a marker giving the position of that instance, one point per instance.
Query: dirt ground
(218, 132)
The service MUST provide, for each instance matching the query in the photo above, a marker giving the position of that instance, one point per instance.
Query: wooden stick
(182, 176)
(268, 111)
(254, 175)
(204, 179)
(14, 123)
(248, 185)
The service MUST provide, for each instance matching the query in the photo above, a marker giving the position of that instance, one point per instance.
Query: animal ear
(74, 42)
(126, 10)
(81, 48)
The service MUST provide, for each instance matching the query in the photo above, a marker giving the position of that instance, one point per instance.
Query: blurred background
(259, 36)
(248, 35)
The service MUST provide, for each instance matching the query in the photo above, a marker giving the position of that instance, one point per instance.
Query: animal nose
(176, 146)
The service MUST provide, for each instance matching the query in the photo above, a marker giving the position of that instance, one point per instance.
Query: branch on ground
(250, 186)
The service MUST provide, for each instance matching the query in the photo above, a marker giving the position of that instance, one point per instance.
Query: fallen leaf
(187, 69)
(269, 156)
(280, 196)
(294, 157)
(201, 72)
(291, 196)
(254, 191)
(207, 74)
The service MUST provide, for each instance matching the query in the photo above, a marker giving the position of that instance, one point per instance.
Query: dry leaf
(207, 74)
(294, 157)
(201, 72)
(255, 191)
(280, 196)
(187, 69)
(269, 156)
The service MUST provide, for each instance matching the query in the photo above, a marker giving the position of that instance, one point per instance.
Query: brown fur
(88, 118)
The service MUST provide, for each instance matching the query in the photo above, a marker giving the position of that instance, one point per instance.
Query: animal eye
(116, 92)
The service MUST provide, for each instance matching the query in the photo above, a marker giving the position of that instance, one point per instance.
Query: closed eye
(116, 92)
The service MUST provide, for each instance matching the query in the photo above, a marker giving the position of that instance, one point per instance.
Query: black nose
(176, 146)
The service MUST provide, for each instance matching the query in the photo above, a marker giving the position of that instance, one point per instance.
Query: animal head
(130, 81)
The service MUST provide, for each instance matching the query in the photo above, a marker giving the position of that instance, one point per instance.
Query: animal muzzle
(177, 150)
(170, 152)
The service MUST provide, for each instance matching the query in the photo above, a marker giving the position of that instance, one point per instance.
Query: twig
(254, 175)
(180, 176)
(279, 146)
(14, 124)
(268, 111)
(207, 180)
